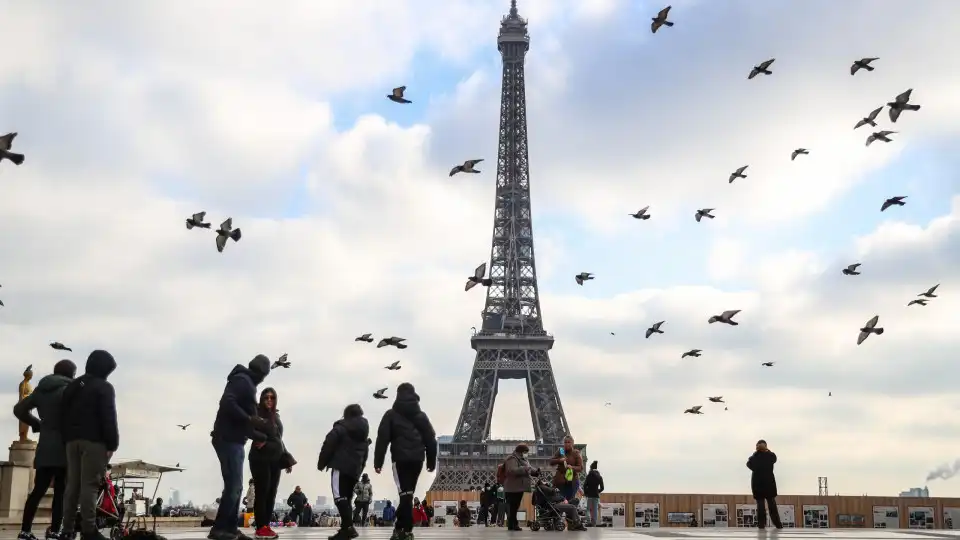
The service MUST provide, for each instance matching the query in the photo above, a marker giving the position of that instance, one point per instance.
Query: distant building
(378, 507)
(916, 492)
(321, 501)
(174, 497)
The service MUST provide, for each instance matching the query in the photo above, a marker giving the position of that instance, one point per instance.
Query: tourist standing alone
(265, 459)
(569, 464)
(764, 484)
(592, 488)
(516, 482)
(364, 494)
(344, 452)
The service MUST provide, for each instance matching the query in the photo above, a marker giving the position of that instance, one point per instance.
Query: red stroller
(110, 510)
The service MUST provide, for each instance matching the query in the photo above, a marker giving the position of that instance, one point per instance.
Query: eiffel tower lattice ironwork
(511, 343)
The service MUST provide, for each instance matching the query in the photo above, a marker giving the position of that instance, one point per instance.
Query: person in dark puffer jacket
(344, 452)
(411, 438)
(88, 424)
(50, 460)
(266, 453)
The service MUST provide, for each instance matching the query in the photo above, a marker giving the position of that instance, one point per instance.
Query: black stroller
(547, 516)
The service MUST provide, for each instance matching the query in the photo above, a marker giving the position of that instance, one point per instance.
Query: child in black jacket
(344, 452)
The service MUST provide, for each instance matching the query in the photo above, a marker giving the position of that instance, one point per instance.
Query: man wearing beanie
(411, 438)
(91, 436)
(344, 452)
(236, 418)
(592, 488)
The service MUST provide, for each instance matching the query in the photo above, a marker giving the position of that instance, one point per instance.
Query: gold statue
(25, 390)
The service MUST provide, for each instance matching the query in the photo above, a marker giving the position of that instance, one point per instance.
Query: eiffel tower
(511, 343)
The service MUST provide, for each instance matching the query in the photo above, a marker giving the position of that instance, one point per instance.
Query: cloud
(140, 116)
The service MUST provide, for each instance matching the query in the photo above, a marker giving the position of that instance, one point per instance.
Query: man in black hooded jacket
(344, 452)
(410, 436)
(235, 422)
(88, 424)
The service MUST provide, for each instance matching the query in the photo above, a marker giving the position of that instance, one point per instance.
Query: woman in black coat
(764, 484)
(267, 456)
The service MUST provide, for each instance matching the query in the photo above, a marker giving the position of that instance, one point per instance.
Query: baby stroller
(110, 510)
(547, 516)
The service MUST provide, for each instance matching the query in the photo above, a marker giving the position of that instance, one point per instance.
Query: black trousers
(405, 476)
(341, 485)
(513, 505)
(762, 512)
(266, 479)
(41, 483)
(360, 510)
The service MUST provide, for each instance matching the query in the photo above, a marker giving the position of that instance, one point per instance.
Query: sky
(134, 116)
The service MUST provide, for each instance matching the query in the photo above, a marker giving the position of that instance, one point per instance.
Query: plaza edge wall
(836, 504)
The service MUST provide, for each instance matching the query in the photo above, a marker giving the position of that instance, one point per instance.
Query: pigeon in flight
(1, 303)
(397, 95)
(692, 352)
(225, 231)
(477, 277)
(607, 404)
(870, 119)
(660, 20)
(5, 143)
(863, 63)
(718, 399)
(918, 301)
(762, 68)
(829, 394)
(379, 394)
(694, 410)
(930, 291)
(394, 366)
(901, 103)
(612, 334)
(582, 276)
(898, 201)
(851, 270)
(365, 337)
(57, 346)
(196, 220)
(281, 362)
(642, 213)
(467, 167)
(395, 341)
(880, 136)
(184, 428)
(655, 329)
(768, 364)
(798, 152)
(726, 317)
(704, 213)
(738, 174)
(869, 328)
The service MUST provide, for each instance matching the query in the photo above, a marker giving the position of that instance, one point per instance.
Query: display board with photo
(715, 515)
(646, 515)
(613, 514)
(441, 509)
(816, 516)
(951, 517)
(746, 515)
(886, 517)
(920, 517)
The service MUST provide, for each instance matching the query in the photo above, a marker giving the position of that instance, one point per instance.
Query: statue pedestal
(16, 478)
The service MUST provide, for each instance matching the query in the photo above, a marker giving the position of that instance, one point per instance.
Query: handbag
(286, 458)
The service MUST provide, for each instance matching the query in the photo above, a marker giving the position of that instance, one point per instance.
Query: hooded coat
(46, 399)
(89, 404)
(269, 431)
(763, 483)
(407, 431)
(346, 446)
(238, 404)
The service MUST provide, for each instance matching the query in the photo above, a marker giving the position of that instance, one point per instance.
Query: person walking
(516, 482)
(344, 452)
(407, 430)
(763, 484)
(50, 460)
(266, 454)
(569, 464)
(88, 425)
(592, 488)
(364, 494)
(235, 421)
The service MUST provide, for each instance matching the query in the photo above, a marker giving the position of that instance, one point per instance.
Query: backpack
(501, 473)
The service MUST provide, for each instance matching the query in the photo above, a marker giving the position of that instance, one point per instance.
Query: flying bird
(726, 317)
(57, 346)
(704, 213)
(467, 167)
(394, 366)
(880, 136)
(396, 95)
(607, 404)
(6, 142)
(863, 63)
(196, 220)
(768, 364)
(930, 291)
(798, 152)
(869, 328)
(395, 341)
(692, 352)
(582, 276)
(655, 329)
(738, 174)
(898, 201)
(642, 213)
(829, 394)
(901, 103)
(612, 334)
(851, 270)
(477, 277)
(184, 428)
(870, 119)
(694, 410)
(660, 20)
(225, 231)
(177, 465)
(1, 303)
(379, 394)
(365, 337)
(919, 302)
(718, 399)
(281, 362)
(762, 68)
